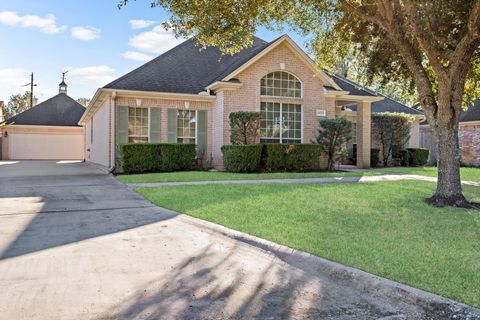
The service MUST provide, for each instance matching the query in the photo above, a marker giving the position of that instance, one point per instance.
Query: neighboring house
(48, 130)
(186, 95)
(2, 111)
(385, 105)
(469, 136)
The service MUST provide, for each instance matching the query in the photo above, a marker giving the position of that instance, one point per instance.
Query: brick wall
(247, 98)
(164, 105)
(469, 135)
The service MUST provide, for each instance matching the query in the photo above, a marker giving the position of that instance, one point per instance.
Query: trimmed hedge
(292, 157)
(417, 156)
(374, 157)
(271, 157)
(242, 158)
(157, 157)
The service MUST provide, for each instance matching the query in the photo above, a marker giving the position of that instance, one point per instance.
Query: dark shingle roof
(472, 113)
(60, 110)
(187, 68)
(352, 87)
(385, 105)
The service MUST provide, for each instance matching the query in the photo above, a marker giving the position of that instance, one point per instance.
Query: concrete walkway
(385, 177)
(84, 246)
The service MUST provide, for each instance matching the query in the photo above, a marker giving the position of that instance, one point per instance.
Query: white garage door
(45, 146)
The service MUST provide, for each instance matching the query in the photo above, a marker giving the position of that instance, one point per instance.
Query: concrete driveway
(77, 244)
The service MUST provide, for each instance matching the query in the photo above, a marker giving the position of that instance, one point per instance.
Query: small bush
(332, 135)
(244, 127)
(374, 157)
(292, 157)
(417, 156)
(157, 157)
(242, 158)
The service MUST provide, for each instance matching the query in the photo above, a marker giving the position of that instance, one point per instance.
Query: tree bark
(449, 187)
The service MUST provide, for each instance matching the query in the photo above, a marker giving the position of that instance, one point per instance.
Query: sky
(92, 39)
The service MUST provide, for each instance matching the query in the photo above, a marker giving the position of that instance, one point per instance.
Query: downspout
(111, 136)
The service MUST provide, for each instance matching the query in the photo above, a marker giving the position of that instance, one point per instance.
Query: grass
(218, 176)
(467, 174)
(384, 228)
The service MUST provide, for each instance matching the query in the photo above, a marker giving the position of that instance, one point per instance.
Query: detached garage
(48, 131)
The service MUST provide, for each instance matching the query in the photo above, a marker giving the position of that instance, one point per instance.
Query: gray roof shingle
(187, 68)
(472, 113)
(385, 105)
(60, 110)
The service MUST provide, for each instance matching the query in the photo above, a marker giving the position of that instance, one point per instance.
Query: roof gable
(60, 110)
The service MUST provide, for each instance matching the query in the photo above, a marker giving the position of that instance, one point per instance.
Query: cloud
(137, 56)
(92, 75)
(157, 41)
(86, 33)
(46, 24)
(140, 24)
(12, 81)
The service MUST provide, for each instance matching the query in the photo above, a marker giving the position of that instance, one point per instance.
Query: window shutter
(121, 124)
(201, 133)
(172, 125)
(154, 125)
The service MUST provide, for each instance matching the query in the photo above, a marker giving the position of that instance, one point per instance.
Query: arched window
(281, 84)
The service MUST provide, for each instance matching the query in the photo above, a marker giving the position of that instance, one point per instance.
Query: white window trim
(283, 97)
(281, 119)
(195, 137)
(148, 120)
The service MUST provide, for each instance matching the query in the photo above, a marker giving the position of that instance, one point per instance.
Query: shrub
(374, 157)
(292, 157)
(244, 127)
(333, 134)
(157, 157)
(404, 158)
(417, 156)
(242, 158)
(392, 131)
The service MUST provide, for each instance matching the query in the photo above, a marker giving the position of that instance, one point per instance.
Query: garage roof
(60, 110)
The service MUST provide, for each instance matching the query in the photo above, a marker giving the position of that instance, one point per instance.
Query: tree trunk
(449, 188)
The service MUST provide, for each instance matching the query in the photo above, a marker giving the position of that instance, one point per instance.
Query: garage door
(44, 146)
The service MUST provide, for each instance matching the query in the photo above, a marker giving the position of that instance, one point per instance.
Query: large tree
(434, 43)
(17, 103)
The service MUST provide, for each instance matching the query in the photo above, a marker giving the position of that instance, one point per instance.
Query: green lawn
(467, 174)
(217, 176)
(384, 228)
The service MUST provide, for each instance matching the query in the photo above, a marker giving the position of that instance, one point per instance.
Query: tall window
(280, 84)
(186, 125)
(137, 124)
(281, 122)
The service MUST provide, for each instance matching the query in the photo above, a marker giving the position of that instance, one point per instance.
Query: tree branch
(472, 35)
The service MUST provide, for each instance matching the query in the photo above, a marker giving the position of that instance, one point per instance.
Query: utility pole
(31, 84)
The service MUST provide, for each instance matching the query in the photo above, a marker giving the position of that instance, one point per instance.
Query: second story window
(280, 84)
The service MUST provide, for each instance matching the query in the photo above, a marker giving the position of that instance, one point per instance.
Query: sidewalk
(385, 177)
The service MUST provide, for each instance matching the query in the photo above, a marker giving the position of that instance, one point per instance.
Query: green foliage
(404, 158)
(245, 127)
(242, 158)
(374, 157)
(417, 157)
(332, 136)
(157, 157)
(83, 101)
(292, 157)
(272, 157)
(17, 104)
(392, 131)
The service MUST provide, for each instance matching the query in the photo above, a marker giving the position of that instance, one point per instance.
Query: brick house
(469, 136)
(186, 95)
